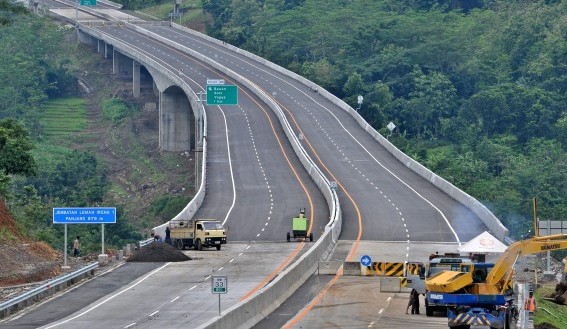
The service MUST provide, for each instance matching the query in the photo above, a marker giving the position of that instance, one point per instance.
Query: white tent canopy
(484, 243)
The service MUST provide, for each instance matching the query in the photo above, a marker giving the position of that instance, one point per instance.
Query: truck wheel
(506, 320)
(428, 311)
(288, 237)
(218, 246)
(311, 236)
(179, 244)
(198, 245)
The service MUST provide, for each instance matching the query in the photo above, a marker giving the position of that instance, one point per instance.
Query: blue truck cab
(438, 263)
(470, 309)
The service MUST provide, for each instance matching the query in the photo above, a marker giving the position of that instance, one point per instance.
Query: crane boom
(522, 248)
(497, 280)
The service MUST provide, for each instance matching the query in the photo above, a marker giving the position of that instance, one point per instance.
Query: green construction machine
(300, 227)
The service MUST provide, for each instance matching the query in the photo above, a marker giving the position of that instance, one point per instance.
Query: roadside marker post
(219, 285)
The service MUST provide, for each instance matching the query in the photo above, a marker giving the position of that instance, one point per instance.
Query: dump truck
(197, 234)
(300, 227)
(486, 301)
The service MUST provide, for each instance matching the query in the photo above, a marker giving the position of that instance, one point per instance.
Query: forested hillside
(477, 89)
(62, 148)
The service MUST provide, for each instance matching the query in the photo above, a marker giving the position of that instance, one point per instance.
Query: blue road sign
(365, 260)
(84, 215)
(88, 2)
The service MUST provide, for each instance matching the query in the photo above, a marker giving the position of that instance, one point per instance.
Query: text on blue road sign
(84, 215)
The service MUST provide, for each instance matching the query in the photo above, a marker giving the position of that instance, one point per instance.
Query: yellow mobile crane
(477, 300)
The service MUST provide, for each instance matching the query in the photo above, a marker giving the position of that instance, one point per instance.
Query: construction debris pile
(158, 252)
(560, 294)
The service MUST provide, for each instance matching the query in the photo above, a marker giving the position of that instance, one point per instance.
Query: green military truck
(198, 233)
(300, 226)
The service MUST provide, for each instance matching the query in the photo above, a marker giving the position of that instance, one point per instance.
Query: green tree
(78, 179)
(433, 98)
(15, 147)
(560, 129)
(354, 85)
(9, 9)
(322, 72)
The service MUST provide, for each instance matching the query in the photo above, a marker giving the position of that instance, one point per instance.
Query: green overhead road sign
(88, 2)
(222, 95)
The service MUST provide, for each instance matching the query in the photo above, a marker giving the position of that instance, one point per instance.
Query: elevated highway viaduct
(254, 183)
(385, 196)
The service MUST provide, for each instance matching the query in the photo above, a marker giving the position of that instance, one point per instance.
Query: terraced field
(64, 116)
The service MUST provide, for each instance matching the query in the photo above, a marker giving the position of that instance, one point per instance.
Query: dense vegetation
(477, 89)
(39, 169)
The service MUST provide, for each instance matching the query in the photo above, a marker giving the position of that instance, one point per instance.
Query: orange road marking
(307, 194)
(314, 302)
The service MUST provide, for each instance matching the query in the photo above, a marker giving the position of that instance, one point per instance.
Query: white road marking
(130, 325)
(230, 167)
(109, 298)
(174, 299)
(153, 313)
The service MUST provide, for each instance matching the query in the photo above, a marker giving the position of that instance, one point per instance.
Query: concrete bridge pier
(175, 120)
(107, 50)
(100, 46)
(121, 64)
(85, 38)
(177, 124)
(136, 78)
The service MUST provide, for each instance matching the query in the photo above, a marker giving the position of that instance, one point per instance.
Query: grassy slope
(558, 316)
(62, 118)
(192, 13)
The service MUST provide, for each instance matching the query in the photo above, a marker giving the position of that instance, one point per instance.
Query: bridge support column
(155, 88)
(121, 64)
(175, 121)
(99, 45)
(107, 50)
(136, 78)
(83, 37)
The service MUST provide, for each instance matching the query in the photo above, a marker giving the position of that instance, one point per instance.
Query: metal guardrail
(46, 286)
(146, 242)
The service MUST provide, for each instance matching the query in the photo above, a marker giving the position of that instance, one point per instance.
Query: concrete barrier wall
(329, 267)
(390, 284)
(352, 268)
(493, 224)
